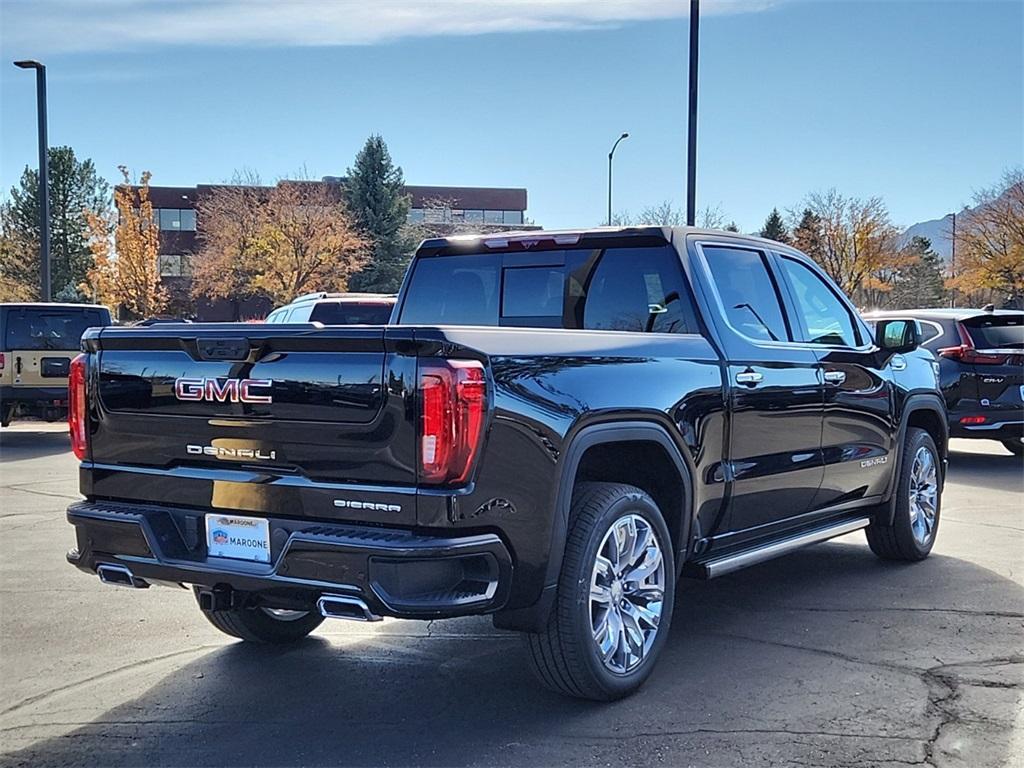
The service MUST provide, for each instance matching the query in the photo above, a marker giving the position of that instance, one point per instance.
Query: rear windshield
(996, 331)
(615, 289)
(42, 329)
(351, 313)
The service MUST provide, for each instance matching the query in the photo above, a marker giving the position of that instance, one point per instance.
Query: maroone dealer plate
(240, 538)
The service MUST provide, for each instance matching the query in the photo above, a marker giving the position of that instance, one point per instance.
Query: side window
(631, 289)
(748, 292)
(826, 318)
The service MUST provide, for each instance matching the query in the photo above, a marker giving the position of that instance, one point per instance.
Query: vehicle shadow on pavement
(826, 657)
(986, 470)
(17, 445)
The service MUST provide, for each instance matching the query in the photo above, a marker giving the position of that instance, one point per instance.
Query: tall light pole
(691, 139)
(952, 263)
(44, 177)
(610, 156)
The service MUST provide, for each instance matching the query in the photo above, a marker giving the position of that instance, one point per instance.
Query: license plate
(240, 538)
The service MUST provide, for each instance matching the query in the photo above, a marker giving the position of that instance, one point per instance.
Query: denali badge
(370, 505)
(231, 453)
(873, 462)
(222, 390)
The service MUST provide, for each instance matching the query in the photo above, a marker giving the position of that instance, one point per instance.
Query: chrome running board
(735, 561)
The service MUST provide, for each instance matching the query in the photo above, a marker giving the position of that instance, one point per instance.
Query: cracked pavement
(825, 658)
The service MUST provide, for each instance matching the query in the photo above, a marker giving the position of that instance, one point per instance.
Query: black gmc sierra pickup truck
(554, 427)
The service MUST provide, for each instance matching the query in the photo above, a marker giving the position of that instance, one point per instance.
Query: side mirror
(897, 336)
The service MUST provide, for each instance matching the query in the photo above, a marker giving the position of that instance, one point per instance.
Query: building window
(493, 217)
(175, 219)
(474, 216)
(415, 215)
(175, 265)
(513, 217)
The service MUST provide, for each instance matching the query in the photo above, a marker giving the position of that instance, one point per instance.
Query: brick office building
(488, 209)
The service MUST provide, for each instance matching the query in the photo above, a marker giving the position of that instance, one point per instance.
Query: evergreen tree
(808, 236)
(75, 188)
(921, 285)
(774, 228)
(375, 194)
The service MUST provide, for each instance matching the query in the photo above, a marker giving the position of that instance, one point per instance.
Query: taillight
(3, 361)
(968, 421)
(966, 353)
(453, 406)
(77, 423)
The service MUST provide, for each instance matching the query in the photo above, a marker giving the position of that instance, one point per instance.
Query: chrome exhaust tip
(345, 607)
(119, 576)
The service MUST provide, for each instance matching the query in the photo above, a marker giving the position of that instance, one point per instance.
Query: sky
(920, 103)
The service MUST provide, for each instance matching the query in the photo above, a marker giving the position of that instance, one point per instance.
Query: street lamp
(610, 156)
(691, 138)
(44, 176)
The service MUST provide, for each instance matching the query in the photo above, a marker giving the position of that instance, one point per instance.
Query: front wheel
(1014, 446)
(264, 625)
(911, 533)
(613, 606)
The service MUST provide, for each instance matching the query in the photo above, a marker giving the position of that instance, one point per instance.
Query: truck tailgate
(238, 406)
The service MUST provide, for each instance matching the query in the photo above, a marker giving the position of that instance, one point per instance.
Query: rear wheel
(264, 625)
(1014, 446)
(911, 534)
(613, 607)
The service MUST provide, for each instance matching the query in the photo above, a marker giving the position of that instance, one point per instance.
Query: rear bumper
(395, 572)
(1005, 425)
(44, 395)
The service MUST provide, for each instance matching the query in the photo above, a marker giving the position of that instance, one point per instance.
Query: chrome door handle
(835, 377)
(749, 377)
(898, 363)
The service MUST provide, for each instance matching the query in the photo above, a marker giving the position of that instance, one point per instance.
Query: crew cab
(555, 427)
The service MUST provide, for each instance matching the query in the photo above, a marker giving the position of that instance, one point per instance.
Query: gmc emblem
(222, 390)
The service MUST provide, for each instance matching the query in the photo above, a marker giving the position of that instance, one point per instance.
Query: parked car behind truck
(37, 342)
(556, 427)
(981, 369)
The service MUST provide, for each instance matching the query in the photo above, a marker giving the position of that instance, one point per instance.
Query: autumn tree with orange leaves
(854, 241)
(125, 272)
(278, 242)
(990, 242)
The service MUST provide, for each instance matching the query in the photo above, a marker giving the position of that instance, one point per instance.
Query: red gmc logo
(222, 390)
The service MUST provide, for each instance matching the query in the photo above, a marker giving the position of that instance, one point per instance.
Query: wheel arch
(926, 411)
(643, 451)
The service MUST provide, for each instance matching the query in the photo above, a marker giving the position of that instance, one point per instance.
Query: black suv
(555, 427)
(981, 369)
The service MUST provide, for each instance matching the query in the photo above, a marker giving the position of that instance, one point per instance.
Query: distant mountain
(939, 231)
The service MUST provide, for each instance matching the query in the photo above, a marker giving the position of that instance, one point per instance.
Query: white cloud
(38, 27)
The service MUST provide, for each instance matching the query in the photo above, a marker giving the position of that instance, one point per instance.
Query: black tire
(255, 625)
(897, 541)
(1015, 446)
(565, 655)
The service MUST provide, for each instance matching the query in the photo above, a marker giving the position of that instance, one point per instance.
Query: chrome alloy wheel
(924, 494)
(283, 614)
(627, 590)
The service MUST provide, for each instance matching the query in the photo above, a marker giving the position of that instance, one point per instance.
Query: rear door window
(50, 329)
(748, 292)
(616, 289)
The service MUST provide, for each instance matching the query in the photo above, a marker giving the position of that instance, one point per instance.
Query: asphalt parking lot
(826, 658)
